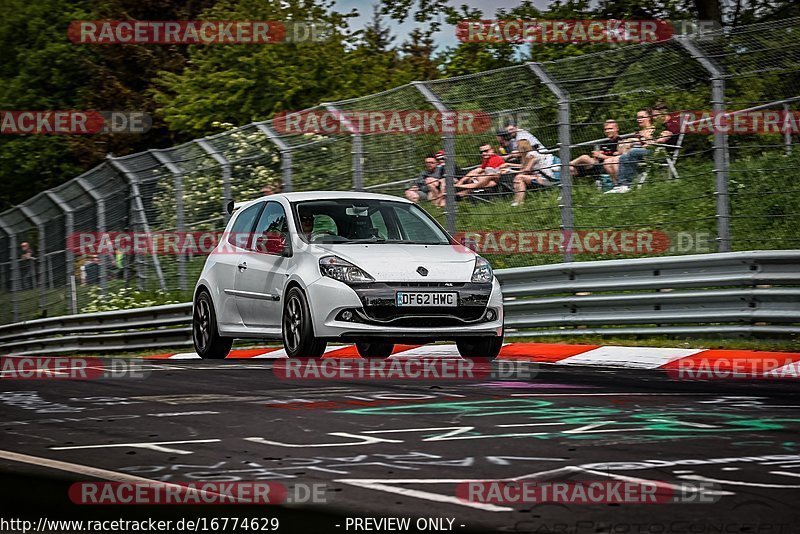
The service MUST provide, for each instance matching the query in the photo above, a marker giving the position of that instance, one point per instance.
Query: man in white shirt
(517, 135)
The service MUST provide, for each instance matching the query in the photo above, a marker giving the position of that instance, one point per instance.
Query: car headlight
(482, 272)
(342, 270)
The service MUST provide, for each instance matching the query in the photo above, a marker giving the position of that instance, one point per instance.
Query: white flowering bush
(125, 298)
(254, 164)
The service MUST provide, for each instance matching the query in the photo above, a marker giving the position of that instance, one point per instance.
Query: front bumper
(374, 312)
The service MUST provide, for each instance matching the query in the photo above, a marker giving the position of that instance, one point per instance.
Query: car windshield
(366, 221)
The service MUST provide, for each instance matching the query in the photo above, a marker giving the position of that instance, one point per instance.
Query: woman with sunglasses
(637, 149)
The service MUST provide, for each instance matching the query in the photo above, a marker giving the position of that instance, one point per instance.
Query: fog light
(347, 315)
(491, 315)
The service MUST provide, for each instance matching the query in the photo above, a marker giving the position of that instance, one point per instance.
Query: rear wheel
(375, 350)
(298, 330)
(207, 342)
(487, 347)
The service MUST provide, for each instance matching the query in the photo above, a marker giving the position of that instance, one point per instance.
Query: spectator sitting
(441, 158)
(428, 185)
(518, 134)
(634, 150)
(605, 157)
(668, 122)
(505, 144)
(538, 166)
(484, 175)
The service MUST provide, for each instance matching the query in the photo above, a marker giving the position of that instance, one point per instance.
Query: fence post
(286, 155)
(357, 150)
(69, 257)
(449, 142)
(39, 277)
(564, 151)
(180, 225)
(721, 158)
(787, 134)
(100, 207)
(138, 206)
(226, 175)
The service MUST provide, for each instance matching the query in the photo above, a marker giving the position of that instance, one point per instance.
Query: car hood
(390, 262)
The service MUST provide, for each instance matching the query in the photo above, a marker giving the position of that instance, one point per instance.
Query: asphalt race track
(400, 448)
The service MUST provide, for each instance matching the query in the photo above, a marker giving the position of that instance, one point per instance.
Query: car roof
(331, 195)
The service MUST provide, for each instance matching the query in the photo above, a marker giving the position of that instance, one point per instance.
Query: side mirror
(229, 207)
(274, 243)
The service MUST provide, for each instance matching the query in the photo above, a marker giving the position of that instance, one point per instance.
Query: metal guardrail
(732, 293)
(136, 329)
(741, 293)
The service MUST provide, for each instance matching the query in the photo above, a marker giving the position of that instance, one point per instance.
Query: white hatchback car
(316, 267)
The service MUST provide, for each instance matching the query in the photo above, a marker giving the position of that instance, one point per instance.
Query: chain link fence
(706, 192)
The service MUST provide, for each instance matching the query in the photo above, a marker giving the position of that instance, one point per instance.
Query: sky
(444, 38)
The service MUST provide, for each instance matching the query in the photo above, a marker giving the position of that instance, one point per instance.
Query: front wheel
(208, 344)
(298, 330)
(487, 347)
(375, 350)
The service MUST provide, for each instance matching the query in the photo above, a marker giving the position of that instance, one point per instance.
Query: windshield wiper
(368, 240)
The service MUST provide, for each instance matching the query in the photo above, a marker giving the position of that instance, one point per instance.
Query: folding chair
(669, 160)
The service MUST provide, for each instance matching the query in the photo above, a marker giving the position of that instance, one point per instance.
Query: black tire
(297, 328)
(375, 350)
(483, 347)
(208, 344)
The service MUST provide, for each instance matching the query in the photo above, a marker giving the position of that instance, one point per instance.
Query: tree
(417, 55)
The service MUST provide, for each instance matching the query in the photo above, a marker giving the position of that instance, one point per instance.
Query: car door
(263, 270)
(226, 259)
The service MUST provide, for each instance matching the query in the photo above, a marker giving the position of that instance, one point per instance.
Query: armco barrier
(739, 293)
(142, 328)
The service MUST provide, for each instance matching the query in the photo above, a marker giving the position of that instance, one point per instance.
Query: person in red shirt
(484, 175)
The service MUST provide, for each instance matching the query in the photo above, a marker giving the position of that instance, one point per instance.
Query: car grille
(427, 316)
(425, 284)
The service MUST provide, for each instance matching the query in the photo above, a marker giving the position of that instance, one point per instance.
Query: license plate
(427, 298)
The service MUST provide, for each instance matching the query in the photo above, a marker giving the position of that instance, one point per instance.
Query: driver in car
(316, 226)
(307, 224)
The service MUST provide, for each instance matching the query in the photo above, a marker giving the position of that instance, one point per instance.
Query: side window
(272, 222)
(240, 231)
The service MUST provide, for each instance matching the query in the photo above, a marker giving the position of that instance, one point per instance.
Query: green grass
(765, 209)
